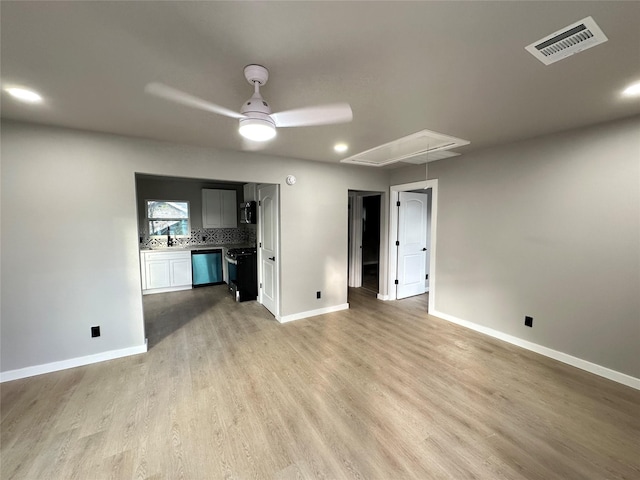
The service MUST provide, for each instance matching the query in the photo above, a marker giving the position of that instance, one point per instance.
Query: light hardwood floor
(379, 391)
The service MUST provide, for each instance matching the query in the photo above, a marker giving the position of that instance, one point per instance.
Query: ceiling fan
(256, 122)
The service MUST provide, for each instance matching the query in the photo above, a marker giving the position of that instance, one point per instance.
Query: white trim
(356, 208)
(151, 291)
(393, 236)
(594, 368)
(355, 243)
(70, 363)
(379, 296)
(312, 313)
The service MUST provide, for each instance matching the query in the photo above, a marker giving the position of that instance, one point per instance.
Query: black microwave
(248, 212)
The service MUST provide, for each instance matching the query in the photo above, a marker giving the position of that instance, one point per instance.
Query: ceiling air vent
(568, 41)
(423, 143)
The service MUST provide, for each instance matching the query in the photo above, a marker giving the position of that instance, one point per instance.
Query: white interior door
(268, 248)
(412, 248)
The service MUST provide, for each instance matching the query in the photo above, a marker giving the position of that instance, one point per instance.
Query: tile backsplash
(204, 236)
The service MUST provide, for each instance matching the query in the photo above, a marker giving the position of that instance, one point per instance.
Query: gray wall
(412, 173)
(70, 242)
(172, 188)
(548, 228)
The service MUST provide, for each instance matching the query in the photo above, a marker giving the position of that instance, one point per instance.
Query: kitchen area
(197, 233)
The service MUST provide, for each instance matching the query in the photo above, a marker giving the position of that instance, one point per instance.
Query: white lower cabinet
(165, 271)
(180, 271)
(157, 274)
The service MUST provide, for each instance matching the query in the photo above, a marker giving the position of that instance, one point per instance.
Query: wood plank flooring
(379, 391)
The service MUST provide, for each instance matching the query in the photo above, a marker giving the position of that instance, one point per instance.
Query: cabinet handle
(273, 259)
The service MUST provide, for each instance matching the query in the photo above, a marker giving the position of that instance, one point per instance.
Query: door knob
(273, 259)
(424, 249)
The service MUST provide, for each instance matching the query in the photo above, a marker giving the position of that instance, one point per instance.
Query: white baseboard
(382, 297)
(594, 368)
(312, 313)
(166, 289)
(71, 363)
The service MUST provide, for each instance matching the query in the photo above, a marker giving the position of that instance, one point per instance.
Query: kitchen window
(165, 217)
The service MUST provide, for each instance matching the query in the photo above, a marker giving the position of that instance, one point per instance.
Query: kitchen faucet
(169, 241)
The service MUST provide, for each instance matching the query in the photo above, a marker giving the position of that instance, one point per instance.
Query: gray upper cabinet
(219, 208)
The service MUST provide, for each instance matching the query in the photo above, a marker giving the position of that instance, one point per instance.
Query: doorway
(364, 240)
(202, 236)
(412, 246)
(371, 242)
(429, 188)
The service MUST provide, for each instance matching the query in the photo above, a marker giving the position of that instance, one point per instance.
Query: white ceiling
(458, 68)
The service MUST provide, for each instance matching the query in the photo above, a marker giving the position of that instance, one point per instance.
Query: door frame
(355, 240)
(354, 243)
(393, 236)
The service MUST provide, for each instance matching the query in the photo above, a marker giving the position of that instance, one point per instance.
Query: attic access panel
(421, 143)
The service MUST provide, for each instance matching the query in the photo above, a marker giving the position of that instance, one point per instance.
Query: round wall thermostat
(291, 179)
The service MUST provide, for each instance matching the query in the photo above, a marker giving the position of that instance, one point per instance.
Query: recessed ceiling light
(632, 90)
(23, 94)
(341, 147)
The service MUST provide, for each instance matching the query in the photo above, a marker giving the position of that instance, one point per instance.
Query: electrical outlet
(318, 294)
(95, 331)
(528, 321)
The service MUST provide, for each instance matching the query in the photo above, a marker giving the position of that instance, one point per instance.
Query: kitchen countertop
(193, 248)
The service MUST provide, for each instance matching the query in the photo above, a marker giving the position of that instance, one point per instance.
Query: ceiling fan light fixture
(256, 122)
(257, 129)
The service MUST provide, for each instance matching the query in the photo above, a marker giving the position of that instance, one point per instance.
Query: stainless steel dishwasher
(206, 267)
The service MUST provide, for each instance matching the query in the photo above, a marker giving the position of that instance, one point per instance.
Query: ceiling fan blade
(174, 95)
(318, 115)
